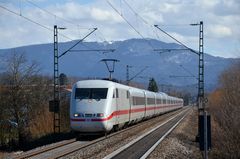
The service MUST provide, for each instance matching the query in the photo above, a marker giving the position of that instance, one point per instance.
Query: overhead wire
(173, 25)
(56, 16)
(175, 39)
(125, 19)
(144, 21)
(37, 23)
(141, 18)
(63, 19)
(32, 21)
(129, 6)
(111, 5)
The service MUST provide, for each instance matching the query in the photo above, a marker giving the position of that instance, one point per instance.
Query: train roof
(108, 84)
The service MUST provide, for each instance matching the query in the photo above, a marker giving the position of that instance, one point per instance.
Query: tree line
(24, 97)
(224, 106)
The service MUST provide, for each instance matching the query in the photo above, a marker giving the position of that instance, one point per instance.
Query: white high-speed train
(99, 106)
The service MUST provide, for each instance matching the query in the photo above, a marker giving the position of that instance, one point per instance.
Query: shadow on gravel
(88, 137)
(45, 140)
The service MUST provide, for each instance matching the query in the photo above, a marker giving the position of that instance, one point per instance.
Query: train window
(164, 101)
(150, 101)
(138, 100)
(82, 93)
(91, 93)
(99, 93)
(159, 101)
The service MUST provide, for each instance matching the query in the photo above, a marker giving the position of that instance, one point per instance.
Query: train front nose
(88, 110)
(89, 122)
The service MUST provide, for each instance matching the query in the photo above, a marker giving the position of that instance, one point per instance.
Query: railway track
(145, 144)
(71, 146)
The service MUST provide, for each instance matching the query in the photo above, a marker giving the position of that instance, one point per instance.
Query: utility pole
(127, 74)
(54, 105)
(201, 103)
(56, 87)
(204, 126)
(201, 70)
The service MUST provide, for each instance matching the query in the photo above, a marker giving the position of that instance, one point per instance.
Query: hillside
(135, 52)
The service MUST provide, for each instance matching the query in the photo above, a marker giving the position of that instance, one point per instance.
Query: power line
(176, 39)
(174, 25)
(77, 43)
(19, 14)
(188, 71)
(139, 73)
(56, 16)
(32, 21)
(125, 19)
(110, 4)
(140, 17)
(65, 20)
(129, 6)
(102, 36)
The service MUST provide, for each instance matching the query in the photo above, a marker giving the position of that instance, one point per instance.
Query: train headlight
(100, 114)
(76, 115)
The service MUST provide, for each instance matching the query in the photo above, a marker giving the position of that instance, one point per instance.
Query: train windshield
(91, 93)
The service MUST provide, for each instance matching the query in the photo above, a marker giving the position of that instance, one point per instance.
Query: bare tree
(224, 105)
(18, 80)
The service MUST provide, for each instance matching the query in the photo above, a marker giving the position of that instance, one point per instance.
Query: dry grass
(42, 124)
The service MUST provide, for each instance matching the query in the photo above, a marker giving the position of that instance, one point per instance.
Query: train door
(117, 105)
(155, 105)
(130, 105)
(145, 104)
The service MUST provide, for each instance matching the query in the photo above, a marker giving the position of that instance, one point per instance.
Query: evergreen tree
(152, 85)
(63, 79)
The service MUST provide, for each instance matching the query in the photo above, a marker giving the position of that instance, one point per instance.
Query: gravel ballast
(181, 141)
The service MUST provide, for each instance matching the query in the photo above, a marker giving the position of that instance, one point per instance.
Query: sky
(123, 19)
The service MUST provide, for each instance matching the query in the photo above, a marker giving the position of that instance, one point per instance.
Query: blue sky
(221, 21)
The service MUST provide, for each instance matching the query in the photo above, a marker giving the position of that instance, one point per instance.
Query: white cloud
(153, 17)
(219, 31)
(209, 3)
(168, 7)
(221, 21)
(104, 15)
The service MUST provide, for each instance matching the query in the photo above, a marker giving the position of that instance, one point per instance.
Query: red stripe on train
(122, 112)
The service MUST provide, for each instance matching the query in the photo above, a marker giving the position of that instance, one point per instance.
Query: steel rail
(74, 148)
(47, 148)
(140, 146)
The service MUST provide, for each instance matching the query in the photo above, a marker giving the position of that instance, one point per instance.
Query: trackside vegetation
(224, 105)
